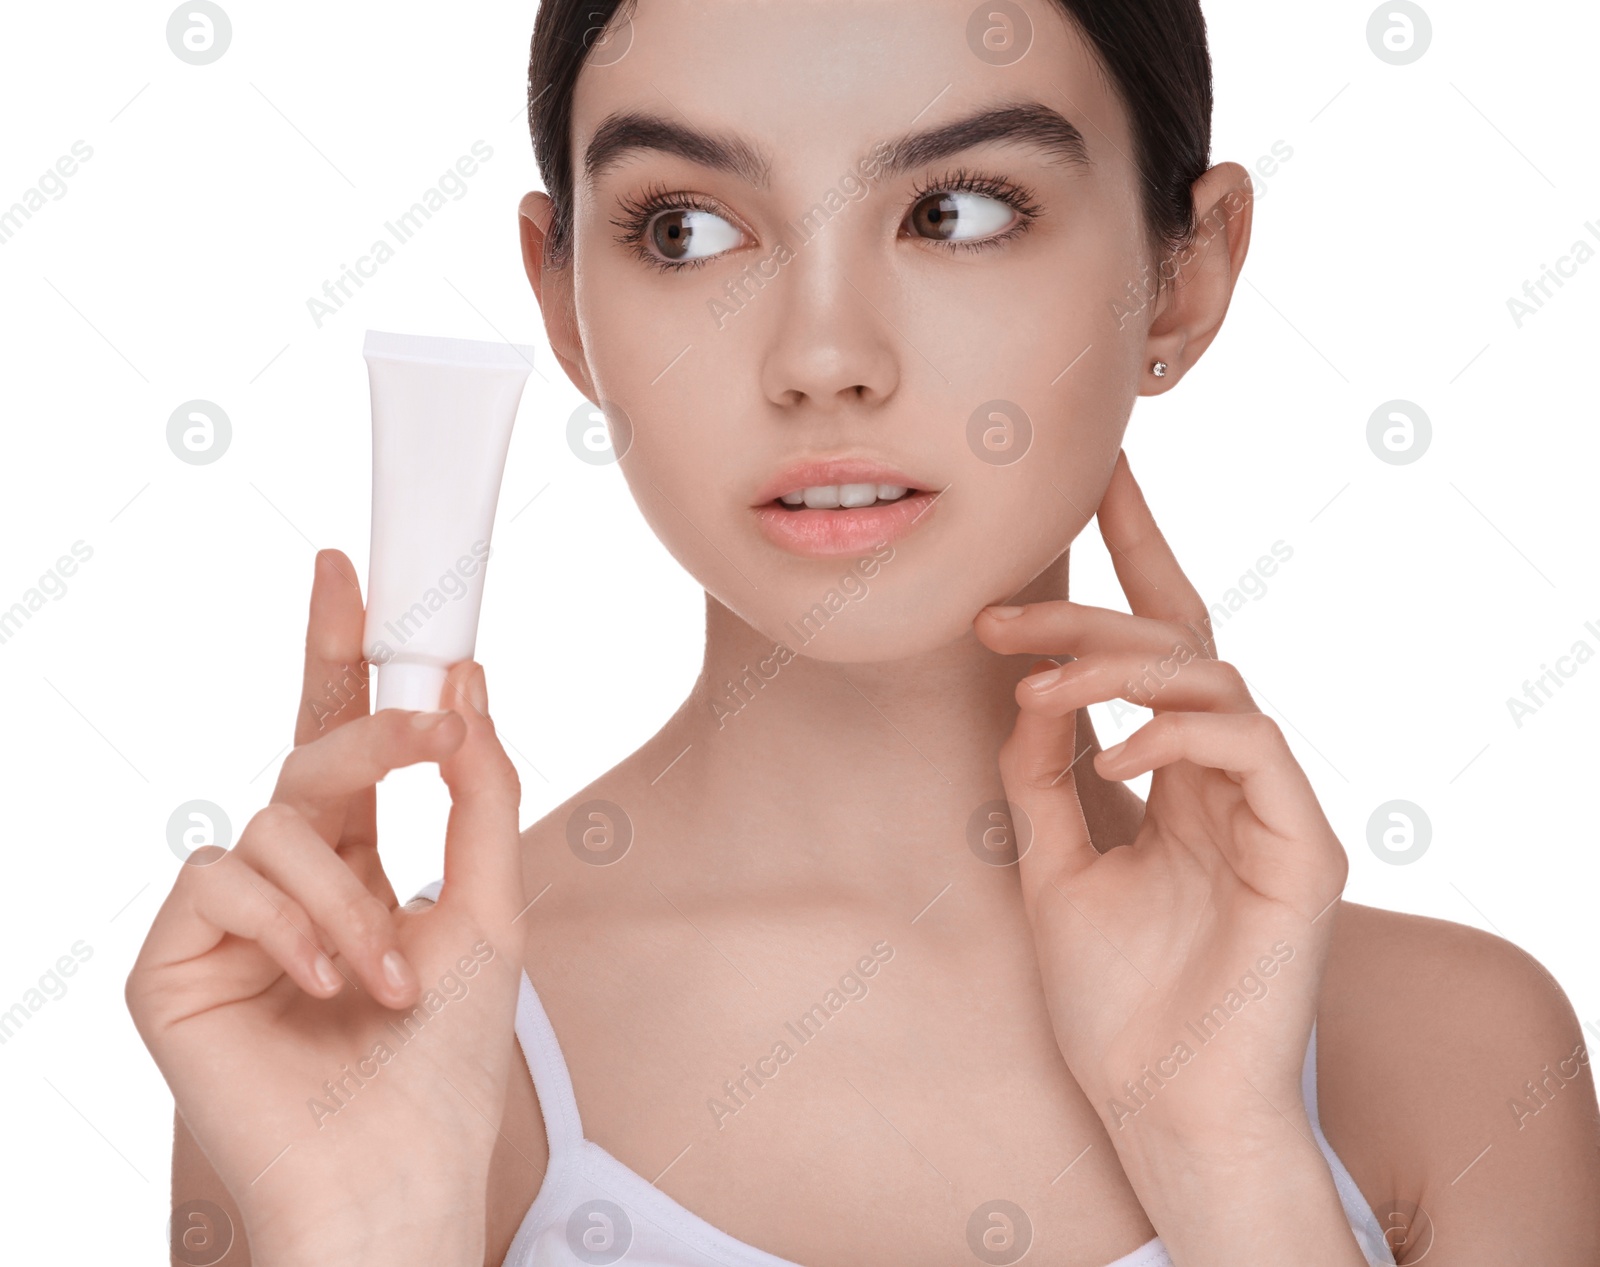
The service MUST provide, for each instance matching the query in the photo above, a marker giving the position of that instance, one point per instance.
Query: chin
(882, 624)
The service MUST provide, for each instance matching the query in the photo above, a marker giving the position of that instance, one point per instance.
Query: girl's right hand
(349, 1100)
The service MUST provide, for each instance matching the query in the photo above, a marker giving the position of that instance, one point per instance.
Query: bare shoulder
(1453, 1076)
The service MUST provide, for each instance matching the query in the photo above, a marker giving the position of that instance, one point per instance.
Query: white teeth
(847, 496)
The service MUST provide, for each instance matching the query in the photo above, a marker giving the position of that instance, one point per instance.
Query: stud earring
(1159, 369)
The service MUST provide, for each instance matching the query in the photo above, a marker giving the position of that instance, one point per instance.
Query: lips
(823, 533)
(821, 473)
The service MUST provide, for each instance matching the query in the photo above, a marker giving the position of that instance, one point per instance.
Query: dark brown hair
(1153, 51)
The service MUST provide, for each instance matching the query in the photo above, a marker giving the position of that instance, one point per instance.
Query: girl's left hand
(1181, 972)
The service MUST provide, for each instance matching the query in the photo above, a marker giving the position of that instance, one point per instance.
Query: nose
(831, 342)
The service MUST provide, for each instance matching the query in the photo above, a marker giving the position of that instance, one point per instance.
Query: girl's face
(814, 232)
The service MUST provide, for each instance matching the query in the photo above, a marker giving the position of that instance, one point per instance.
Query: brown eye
(684, 234)
(671, 233)
(956, 216)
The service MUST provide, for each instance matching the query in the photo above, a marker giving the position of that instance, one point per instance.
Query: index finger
(334, 692)
(320, 779)
(334, 684)
(1146, 567)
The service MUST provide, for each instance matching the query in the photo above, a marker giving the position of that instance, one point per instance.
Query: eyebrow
(1028, 123)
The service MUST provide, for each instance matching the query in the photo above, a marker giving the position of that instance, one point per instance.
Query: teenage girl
(868, 955)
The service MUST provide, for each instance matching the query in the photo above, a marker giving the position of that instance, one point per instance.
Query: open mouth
(828, 520)
(845, 496)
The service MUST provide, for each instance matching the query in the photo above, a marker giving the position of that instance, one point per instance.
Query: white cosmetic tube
(442, 411)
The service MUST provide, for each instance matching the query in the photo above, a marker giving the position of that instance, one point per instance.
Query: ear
(552, 288)
(1191, 311)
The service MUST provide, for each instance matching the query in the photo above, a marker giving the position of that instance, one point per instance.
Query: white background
(218, 198)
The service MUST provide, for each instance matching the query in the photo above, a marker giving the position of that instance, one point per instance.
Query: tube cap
(408, 684)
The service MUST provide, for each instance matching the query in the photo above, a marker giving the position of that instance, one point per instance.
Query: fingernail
(1114, 750)
(1044, 681)
(427, 721)
(395, 971)
(1004, 613)
(478, 690)
(326, 973)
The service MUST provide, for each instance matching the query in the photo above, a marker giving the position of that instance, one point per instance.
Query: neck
(801, 771)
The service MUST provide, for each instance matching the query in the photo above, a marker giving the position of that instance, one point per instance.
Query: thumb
(1038, 771)
(482, 844)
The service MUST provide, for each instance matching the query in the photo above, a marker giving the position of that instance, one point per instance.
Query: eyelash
(639, 210)
(962, 180)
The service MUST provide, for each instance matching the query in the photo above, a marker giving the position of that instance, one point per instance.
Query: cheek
(1041, 382)
(1053, 332)
(632, 326)
(684, 394)
(654, 356)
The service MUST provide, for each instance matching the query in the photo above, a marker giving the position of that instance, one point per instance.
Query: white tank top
(591, 1209)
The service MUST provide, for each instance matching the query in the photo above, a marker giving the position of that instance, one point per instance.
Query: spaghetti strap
(558, 1105)
(1363, 1222)
(551, 1079)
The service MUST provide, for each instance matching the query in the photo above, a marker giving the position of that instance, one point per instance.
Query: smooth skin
(779, 835)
